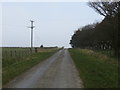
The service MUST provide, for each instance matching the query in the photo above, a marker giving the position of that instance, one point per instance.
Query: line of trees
(104, 35)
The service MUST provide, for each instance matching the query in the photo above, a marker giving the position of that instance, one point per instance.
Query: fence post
(11, 54)
(15, 53)
(19, 54)
(36, 50)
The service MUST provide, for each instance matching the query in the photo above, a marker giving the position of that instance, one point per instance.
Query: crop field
(14, 55)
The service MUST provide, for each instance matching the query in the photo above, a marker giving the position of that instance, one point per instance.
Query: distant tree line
(104, 35)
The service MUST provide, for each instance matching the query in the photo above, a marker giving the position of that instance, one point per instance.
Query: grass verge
(11, 71)
(96, 70)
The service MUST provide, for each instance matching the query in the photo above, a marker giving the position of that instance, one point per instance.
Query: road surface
(58, 71)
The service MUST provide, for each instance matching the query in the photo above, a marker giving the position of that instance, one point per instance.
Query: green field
(14, 55)
(96, 70)
(11, 70)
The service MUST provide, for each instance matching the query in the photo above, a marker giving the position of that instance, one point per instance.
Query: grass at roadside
(96, 70)
(11, 71)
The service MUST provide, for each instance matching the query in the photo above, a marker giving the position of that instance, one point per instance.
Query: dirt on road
(58, 71)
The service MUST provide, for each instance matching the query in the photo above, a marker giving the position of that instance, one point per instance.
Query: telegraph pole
(31, 27)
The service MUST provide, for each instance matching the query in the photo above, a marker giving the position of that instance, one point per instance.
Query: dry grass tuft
(98, 55)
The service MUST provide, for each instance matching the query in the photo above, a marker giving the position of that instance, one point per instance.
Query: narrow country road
(58, 71)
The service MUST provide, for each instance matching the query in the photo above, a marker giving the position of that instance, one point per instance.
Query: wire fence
(14, 55)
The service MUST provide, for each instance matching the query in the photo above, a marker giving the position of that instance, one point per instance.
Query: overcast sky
(55, 22)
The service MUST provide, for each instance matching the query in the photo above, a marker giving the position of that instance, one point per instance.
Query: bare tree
(109, 8)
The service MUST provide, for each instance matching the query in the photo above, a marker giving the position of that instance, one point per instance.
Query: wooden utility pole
(31, 27)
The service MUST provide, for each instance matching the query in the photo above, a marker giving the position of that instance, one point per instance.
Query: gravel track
(58, 71)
